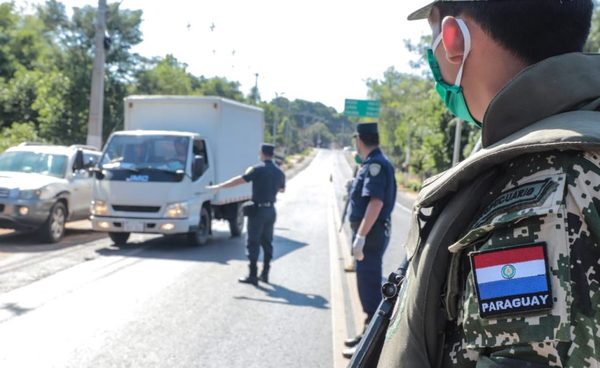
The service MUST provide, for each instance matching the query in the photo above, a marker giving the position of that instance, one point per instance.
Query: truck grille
(4, 192)
(147, 209)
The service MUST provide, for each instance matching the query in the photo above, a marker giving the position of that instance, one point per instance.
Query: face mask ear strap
(436, 43)
(467, 49)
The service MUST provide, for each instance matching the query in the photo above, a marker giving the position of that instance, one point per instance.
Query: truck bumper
(140, 225)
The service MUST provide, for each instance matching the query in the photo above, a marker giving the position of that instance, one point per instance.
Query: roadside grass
(292, 160)
(408, 182)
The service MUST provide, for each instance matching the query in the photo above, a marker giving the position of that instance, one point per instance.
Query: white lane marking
(403, 207)
(338, 313)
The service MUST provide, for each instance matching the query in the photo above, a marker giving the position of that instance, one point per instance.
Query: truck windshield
(34, 162)
(146, 152)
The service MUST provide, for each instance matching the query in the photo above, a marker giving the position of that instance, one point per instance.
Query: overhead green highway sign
(361, 108)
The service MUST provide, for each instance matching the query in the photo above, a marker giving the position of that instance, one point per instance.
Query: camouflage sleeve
(532, 258)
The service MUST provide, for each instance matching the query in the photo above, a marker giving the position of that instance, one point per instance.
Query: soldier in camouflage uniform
(504, 249)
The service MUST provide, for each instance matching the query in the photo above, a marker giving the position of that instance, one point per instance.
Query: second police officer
(372, 199)
(267, 180)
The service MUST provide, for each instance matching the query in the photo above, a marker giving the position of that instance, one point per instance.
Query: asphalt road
(161, 303)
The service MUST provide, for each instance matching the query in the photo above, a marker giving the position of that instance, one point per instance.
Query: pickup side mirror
(78, 164)
(96, 172)
(198, 167)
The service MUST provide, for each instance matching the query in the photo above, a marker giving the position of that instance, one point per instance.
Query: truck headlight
(176, 210)
(30, 193)
(99, 208)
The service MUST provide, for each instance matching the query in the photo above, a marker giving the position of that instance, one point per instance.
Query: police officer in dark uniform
(372, 199)
(267, 179)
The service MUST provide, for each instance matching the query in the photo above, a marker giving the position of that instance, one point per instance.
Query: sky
(315, 50)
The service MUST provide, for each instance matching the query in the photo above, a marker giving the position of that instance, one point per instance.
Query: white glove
(357, 247)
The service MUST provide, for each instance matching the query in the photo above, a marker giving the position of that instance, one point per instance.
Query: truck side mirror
(198, 167)
(78, 164)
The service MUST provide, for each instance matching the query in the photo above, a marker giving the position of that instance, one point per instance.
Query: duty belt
(387, 222)
(264, 204)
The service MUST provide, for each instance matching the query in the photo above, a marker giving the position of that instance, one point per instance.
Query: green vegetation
(46, 63)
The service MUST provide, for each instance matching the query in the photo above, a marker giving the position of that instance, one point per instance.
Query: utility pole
(94, 134)
(287, 128)
(276, 116)
(457, 136)
(256, 88)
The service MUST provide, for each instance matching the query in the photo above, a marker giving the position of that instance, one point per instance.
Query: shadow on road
(281, 295)
(14, 309)
(26, 242)
(221, 248)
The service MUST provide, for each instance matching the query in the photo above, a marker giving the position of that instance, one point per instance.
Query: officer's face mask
(357, 159)
(452, 95)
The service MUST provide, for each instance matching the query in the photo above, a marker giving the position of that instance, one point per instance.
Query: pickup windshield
(146, 152)
(34, 162)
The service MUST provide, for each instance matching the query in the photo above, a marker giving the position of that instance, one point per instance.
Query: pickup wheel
(200, 236)
(120, 239)
(236, 224)
(54, 227)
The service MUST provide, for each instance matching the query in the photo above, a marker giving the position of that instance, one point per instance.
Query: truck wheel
(200, 236)
(236, 224)
(120, 239)
(54, 227)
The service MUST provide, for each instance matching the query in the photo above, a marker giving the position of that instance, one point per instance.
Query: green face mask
(452, 95)
(357, 159)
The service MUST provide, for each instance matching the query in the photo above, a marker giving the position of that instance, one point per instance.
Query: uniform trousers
(261, 222)
(369, 271)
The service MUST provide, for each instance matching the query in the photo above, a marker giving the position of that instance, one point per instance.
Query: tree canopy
(46, 59)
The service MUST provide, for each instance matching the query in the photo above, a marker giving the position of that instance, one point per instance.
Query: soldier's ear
(453, 40)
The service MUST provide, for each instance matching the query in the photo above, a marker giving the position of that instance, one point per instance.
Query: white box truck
(152, 176)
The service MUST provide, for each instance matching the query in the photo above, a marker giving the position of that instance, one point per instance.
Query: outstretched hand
(213, 188)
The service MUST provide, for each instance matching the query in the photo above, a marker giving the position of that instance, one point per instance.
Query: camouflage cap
(423, 13)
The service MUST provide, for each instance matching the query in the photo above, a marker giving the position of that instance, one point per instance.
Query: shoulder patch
(512, 280)
(249, 170)
(374, 169)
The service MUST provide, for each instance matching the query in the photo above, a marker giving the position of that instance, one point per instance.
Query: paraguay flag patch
(512, 280)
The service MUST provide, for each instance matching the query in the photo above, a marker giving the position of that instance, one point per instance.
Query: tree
(217, 86)
(17, 133)
(593, 42)
(73, 41)
(167, 77)
(319, 135)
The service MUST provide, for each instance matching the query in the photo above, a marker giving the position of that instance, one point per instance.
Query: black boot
(251, 278)
(264, 275)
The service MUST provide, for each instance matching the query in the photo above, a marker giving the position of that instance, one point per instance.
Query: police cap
(267, 149)
(423, 13)
(366, 128)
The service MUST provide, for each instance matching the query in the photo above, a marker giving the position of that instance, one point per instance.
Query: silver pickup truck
(44, 186)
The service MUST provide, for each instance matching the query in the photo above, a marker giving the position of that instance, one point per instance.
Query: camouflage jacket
(550, 201)
(505, 248)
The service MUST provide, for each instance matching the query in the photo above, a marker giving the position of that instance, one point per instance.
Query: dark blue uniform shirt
(374, 179)
(267, 179)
